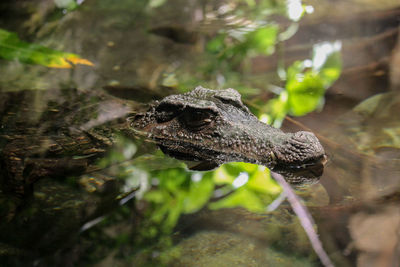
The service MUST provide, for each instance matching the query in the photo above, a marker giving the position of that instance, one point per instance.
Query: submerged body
(70, 130)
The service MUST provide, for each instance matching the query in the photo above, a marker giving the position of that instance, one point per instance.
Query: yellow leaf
(11, 48)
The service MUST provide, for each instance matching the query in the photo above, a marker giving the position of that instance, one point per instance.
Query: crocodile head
(211, 127)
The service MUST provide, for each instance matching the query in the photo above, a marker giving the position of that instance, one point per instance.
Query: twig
(305, 219)
(277, 202)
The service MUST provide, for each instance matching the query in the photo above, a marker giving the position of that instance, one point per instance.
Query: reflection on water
(78, 189)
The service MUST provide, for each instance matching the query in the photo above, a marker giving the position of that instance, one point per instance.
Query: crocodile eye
(196, 119)
(166, 112)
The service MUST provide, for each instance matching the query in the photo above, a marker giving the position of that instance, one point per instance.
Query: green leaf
(261, 181)
(306, 83)
(327, 61)
(277, 109)
(12, 48)
(253, 195)
(217, 44)
(305, 92)
(178, 192)
(306, 87)
(222, 175)
(173, 180)
(331, 69)
(241, 43)
(155, 196)
(242, 197)
(174, 211)
(199, 194)
(262, 40)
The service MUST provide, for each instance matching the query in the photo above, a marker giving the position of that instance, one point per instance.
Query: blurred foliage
(238, 44)
(251, 29)
(181, 195)
(306, 84)
(180, 192)
(245, 185)
(12, 48)
(305, 81)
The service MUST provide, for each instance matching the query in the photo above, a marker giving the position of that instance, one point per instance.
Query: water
(136, 206)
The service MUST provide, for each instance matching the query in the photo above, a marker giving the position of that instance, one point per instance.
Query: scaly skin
(213, 127)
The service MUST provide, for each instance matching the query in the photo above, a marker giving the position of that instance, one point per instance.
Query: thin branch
(305, 219)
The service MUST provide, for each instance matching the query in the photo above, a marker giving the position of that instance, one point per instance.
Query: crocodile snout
(302, 149)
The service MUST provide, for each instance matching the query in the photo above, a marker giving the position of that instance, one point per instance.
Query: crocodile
(205, 127)
(212, 127)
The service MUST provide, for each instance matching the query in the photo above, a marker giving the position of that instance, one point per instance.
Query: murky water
(127, 203)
